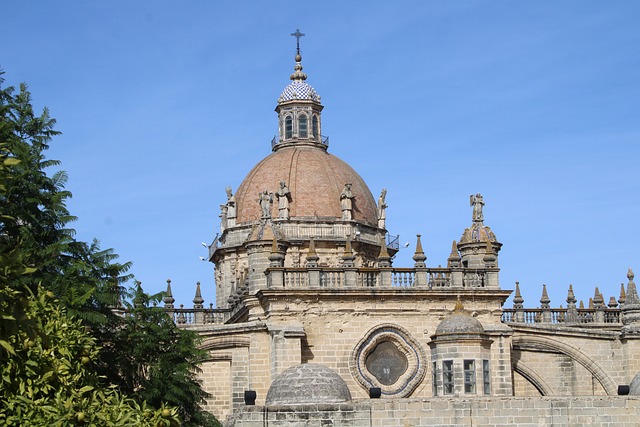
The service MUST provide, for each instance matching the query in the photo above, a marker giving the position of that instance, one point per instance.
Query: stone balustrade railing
(198, 316)
(562, 316)
(453, 278)
(303, 229)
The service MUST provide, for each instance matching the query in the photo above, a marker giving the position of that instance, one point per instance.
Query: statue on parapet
(477, 202)
(284, 197)
(224, 218)
(346, 202)
(231, 208)
(382, 209)
(266, 200)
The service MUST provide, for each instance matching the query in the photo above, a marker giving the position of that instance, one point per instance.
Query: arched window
(314, 127)
(302, 126)
(288, 127)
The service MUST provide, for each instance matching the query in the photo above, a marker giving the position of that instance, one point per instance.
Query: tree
(47, 376)
(57, 300)
(161, 362)
(84, 278)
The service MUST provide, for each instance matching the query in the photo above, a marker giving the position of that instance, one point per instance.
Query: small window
(486, 378)
(447, 376)
(302, 127)
(434, 379)
(288, 127)
(314, 124)
(469, 376)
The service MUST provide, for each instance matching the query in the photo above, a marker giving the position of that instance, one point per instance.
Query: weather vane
(297, 35)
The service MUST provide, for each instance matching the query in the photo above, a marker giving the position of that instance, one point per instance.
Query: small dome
(308, 383)
(298, 90)
(634, 387)
(478, 232)
(316, 180)
(459, 323)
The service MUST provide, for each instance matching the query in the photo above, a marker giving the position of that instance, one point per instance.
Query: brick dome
(315, 179)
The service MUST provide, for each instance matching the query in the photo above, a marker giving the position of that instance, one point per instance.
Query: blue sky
(163, 104)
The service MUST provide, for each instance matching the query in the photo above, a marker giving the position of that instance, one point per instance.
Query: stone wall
(612, 411)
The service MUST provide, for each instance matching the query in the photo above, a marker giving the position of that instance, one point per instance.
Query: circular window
(388, 358)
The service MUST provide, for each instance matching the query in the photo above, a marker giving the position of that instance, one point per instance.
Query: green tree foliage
(33, 211)
(57, 301)
(161, 362)
(47, 376)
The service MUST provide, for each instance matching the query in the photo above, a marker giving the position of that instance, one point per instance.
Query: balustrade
(195, 316)
(474, 279)
(439, 277)
(296, 278)
(331, 278)
(367, 278)
(403, 277)
(560, 316)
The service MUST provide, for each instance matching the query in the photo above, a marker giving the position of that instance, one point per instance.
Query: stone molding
(416, 357)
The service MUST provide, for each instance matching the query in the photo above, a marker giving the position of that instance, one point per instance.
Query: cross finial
(297, 35)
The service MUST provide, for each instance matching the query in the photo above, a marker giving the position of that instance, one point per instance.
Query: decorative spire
(623, 295)
(631, 309)
(489, 257)
(298, 74)
(517, 298)
(544, 300)
(384, 260)
(454, 256)
(168, 296)
(348, 251)
(348, 256)
(275, 257)
(198, 300)
(312, 256)
(419, 257)
(632, 293)
(459, 308)
(598, 299)
(612, 302)
(571, 298)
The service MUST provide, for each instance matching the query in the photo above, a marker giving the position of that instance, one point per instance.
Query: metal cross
(297, 35)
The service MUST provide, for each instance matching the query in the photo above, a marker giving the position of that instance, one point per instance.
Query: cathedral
(313, 325)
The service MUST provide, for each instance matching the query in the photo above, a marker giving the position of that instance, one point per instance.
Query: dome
(308, 383)
(315, 179)
(298, 90)
(459, 323)
(478, 232)
(634, 387)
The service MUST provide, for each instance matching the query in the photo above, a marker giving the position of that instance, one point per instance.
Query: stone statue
(224, 218)
(346, 202)
(266, 200)
(231, 208)
(284, 195)
(477, 202)
(382, 209)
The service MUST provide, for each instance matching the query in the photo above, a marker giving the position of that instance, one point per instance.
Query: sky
(162, 104)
